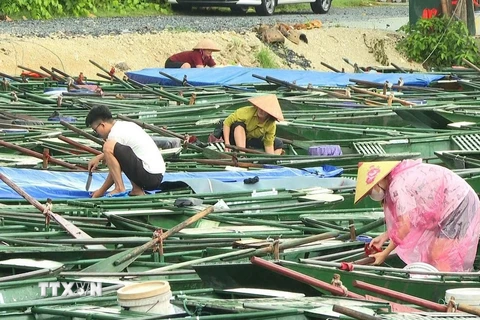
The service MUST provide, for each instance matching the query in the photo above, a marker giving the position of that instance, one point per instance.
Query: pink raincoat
(433, 216)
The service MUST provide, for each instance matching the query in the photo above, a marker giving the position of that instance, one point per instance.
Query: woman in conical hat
(254, 126)
(199, 57)
(432, 215)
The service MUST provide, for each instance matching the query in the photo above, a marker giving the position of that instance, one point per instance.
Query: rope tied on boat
(336, 282)
(48, 207)
(158, 246)
(14, 96)
(452, 305)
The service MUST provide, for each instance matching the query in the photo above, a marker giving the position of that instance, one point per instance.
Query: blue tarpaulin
(43, 184)
(242, 75)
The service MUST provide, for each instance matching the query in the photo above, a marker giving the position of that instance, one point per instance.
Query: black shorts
(133, 168)
(253, 143)
(172, 64)
(456, 224)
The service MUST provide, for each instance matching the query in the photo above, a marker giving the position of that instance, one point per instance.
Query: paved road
(382, 17)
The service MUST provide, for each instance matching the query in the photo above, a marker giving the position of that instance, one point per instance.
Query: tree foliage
(439, 42)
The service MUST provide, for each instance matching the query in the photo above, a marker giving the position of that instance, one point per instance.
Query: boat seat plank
(141, 212)
(468, 142)
(231, 229)
(368, 148)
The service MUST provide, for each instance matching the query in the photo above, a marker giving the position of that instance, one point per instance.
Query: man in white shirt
(129, 149)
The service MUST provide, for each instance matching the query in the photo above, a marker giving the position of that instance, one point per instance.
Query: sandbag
(272, 35)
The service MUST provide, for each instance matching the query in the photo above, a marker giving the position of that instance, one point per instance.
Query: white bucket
(469, 296)
(421, 266)
(149, 297)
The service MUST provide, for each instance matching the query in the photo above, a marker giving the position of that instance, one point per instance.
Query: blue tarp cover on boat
(43, 184)
(243, 75)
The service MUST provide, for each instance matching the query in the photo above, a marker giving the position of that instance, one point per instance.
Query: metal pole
(400, 296)
(302, 278)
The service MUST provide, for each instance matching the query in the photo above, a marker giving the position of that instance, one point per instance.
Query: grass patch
(266, 58)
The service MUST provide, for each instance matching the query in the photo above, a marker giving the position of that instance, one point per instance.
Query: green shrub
(37, 9)
(47, 9)
(436, 42)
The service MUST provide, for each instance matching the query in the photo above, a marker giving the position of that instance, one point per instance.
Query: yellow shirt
(248, 115)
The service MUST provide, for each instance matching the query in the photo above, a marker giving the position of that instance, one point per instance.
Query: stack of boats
(230, 235)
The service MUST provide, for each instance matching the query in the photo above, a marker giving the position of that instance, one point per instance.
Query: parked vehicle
(262, 7)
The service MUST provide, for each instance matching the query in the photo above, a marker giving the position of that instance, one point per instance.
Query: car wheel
(266, 8)
(239, 9)
(321, 6)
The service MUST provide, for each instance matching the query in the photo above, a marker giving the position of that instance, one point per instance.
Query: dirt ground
(136, 51)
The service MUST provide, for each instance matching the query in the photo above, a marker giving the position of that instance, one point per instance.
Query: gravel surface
(201, 21)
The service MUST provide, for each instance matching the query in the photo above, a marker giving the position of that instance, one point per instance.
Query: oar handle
(139, 250)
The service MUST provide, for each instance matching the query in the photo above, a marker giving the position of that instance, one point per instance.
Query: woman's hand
(379, 257)
(382, 255)
(378, 241)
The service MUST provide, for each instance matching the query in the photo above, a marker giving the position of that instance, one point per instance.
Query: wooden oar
(398, 67)
(183, 83)
(208, 153)
(43, 75)
(329, 93)
(79, 145)
(124, 83)
(354, 313)
(61, 72)
(330, 67)
(64, 223)
(471, 65)
(303, 278)
(40, 156)
(82, 133)
(292, 244)
(246, 150)
(396, 86)
(403, 102)
(121, 260)
(160, 92)
(4, 75)
(139, 250)
(54, 76)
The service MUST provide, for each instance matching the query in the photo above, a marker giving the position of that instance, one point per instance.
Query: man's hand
(93, 163)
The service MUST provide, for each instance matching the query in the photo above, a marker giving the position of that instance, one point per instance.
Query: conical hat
(269, 104)
(369, 174)
(206, 44)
